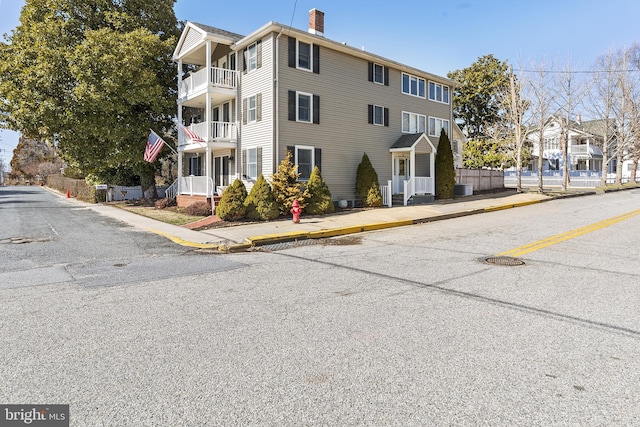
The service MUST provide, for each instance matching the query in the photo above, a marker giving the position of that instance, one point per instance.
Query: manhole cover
(504, 260)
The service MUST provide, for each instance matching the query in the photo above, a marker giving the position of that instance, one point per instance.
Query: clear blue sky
(437, 36)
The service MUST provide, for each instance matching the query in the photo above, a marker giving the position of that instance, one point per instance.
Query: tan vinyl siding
(344, 133)
(258, 81)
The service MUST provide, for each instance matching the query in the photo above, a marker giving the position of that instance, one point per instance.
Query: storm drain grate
(504, 260)
(340, 241)
(21, 240)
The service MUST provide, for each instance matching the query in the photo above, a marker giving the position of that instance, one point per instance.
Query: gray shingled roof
(407, 140)
(213, 30)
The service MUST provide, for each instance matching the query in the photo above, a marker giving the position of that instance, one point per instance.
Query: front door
(221, 165)
(400, 173)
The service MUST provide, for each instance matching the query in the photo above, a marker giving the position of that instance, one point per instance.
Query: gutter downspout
(276, 88)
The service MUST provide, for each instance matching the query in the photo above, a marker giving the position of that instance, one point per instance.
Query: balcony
(222, 80)
(585, 150)
(221, 134)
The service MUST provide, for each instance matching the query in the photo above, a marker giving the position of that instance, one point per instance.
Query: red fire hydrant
(296, 210)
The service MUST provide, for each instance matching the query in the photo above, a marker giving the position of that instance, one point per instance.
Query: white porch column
(412, 163)
(180, 159)
(179, 105)
(432, 171)
(208, 161)
(207, 113)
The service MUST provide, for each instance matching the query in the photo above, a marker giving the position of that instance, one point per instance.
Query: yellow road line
(522, 250)
(183, 242)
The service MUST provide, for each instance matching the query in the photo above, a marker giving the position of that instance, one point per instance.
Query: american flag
(154, 145)
(191, 134)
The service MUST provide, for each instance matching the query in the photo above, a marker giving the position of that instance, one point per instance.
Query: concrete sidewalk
(241, 237)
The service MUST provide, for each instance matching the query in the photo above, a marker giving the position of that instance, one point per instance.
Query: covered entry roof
(418, 142)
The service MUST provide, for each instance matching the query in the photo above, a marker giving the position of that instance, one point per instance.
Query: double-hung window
(378, 74)
(413, 123)
(436, 125)
(378, 115)
(304, 56)
(412, 85)
(252, 57)
(252, 163)
(304, 107)
(252, 109)
(304, 158)
(438, 92)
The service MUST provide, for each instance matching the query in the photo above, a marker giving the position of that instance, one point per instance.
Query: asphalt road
(407, 326)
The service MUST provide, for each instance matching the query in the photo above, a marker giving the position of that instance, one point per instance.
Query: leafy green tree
(475, 101)
(445, 171)
(319, 201)
(93, 76)
(367, 185)
(261, 203)
(286, 187)
(231, 206)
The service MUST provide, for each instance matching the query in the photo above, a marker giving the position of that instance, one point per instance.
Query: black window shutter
(292, 52)
(292, 149)
(316, 109)
(244, 61)
(258, 107)
(370, 71)
(259, 157)
(316, 59)
(292, 105)
(259, 54)
(370, 114)
(244, 164)
(386, 117)
(244, 111)
(317, 154)
(386, 76)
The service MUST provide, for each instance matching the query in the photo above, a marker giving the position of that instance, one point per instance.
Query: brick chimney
(316, 22)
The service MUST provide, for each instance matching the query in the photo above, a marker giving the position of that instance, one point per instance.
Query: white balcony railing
(218, 77)
(585, 150)
(218, 131)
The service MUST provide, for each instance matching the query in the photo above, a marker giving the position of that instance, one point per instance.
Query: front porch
(412, 170)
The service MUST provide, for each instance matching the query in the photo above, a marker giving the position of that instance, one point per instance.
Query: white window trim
(417, 116)
(374, 115)
(255, 62)
(255, 109)
(417, 95)
(310, 69)
(442, 88)
(313, 158)
(310, 95)
(437, 133)
(374, 73)
(249, 150)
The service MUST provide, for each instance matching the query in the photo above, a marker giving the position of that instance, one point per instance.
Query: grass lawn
(170, 215)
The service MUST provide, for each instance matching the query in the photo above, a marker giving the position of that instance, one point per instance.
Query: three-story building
(280, 89)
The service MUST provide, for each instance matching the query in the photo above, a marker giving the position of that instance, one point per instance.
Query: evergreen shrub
(231, 206)
(286, 187)
(445, 171)
(261, 203)
(367, 185)
(319, 201)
